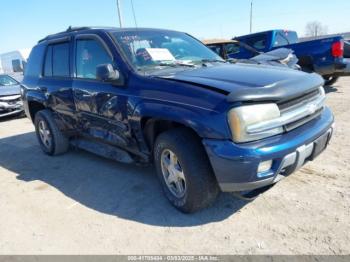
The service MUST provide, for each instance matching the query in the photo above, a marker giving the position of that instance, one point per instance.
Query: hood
(245, 82)
(10, 90)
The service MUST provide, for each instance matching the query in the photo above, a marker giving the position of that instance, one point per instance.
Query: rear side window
(35, 61)
(257, 42)
(89, 54)
(280, 40)
(57, 60)
(285, 38)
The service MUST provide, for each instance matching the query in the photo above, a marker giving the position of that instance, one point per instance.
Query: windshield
(7, 81)
(153, 49)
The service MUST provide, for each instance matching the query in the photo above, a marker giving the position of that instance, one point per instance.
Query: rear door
(56, 80)
(101, 106)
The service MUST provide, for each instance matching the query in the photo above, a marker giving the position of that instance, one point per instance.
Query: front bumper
(10, 109)
(236, 165)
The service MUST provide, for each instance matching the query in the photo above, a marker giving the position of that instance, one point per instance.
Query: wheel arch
(34, 107)
(152, 127)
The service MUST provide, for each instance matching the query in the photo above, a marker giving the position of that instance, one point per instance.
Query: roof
(71, 30)
(218, 41)
(263, 32)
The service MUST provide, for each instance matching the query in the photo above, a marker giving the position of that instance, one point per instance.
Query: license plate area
(309, 152)
(321, 144)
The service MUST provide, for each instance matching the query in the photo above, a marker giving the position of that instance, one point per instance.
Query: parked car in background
(13, 63)
(10, 98)
(159, 96)
(225, 48)
(228, 49)
(323, 56)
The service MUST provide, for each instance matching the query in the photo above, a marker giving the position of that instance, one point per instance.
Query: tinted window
(60, 60)
(232, 48)
(285, 38)
(35, 60)
(215, 48)
(89, 54)
(258, 41)
(57, 60)
(48, 62)
(280, 40)
(17, 65)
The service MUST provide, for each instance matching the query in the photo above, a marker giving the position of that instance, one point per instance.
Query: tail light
(338, 49)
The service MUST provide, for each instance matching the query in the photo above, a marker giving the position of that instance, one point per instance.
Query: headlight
(240, 118)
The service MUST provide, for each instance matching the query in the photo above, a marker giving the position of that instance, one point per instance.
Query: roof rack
(74, 29)
(69, 30)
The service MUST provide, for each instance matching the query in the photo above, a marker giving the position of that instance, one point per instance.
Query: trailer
(13, 63)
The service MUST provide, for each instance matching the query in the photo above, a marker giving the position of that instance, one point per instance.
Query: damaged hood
(10, 90)
(245, 82)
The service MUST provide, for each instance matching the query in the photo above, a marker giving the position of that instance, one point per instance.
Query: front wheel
(184, 170)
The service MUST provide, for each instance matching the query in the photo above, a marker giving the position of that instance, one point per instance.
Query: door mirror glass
(106, 73)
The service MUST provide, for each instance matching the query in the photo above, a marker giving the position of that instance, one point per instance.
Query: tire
(330, 80)
(200, 186)
(59, 144)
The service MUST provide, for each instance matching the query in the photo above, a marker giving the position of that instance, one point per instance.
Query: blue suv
(158, 96)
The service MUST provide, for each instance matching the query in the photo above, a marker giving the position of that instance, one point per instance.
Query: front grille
(13, 99)
(302, 121)
(285, 106)
(302, 101)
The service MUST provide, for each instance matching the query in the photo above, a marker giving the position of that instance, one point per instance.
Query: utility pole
(119, 14)
(251, 16)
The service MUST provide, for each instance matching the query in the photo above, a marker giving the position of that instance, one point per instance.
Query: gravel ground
(82, 204)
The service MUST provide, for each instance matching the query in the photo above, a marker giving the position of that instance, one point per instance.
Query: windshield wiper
(213, 61)
(176, 63)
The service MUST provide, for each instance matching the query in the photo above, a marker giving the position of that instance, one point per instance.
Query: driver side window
(89, 54)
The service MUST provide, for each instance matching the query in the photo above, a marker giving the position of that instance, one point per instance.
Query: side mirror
(107, 73)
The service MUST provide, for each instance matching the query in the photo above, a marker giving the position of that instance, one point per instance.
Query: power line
(133, 12)
(251, 16)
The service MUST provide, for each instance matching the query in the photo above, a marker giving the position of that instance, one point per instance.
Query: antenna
(251, 16)
(133, 12)
(119, 14)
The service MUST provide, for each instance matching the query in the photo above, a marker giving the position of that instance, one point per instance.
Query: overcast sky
(24, 22)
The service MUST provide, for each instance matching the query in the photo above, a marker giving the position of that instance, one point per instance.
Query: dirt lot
(82, 204)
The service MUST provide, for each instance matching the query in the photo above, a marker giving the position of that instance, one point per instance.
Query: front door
(101, 106)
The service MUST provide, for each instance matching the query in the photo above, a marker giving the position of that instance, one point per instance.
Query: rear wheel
(184, 170)
(50, 138)
(330, 80)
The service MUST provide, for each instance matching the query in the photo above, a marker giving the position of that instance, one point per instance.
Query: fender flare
(193, 118)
